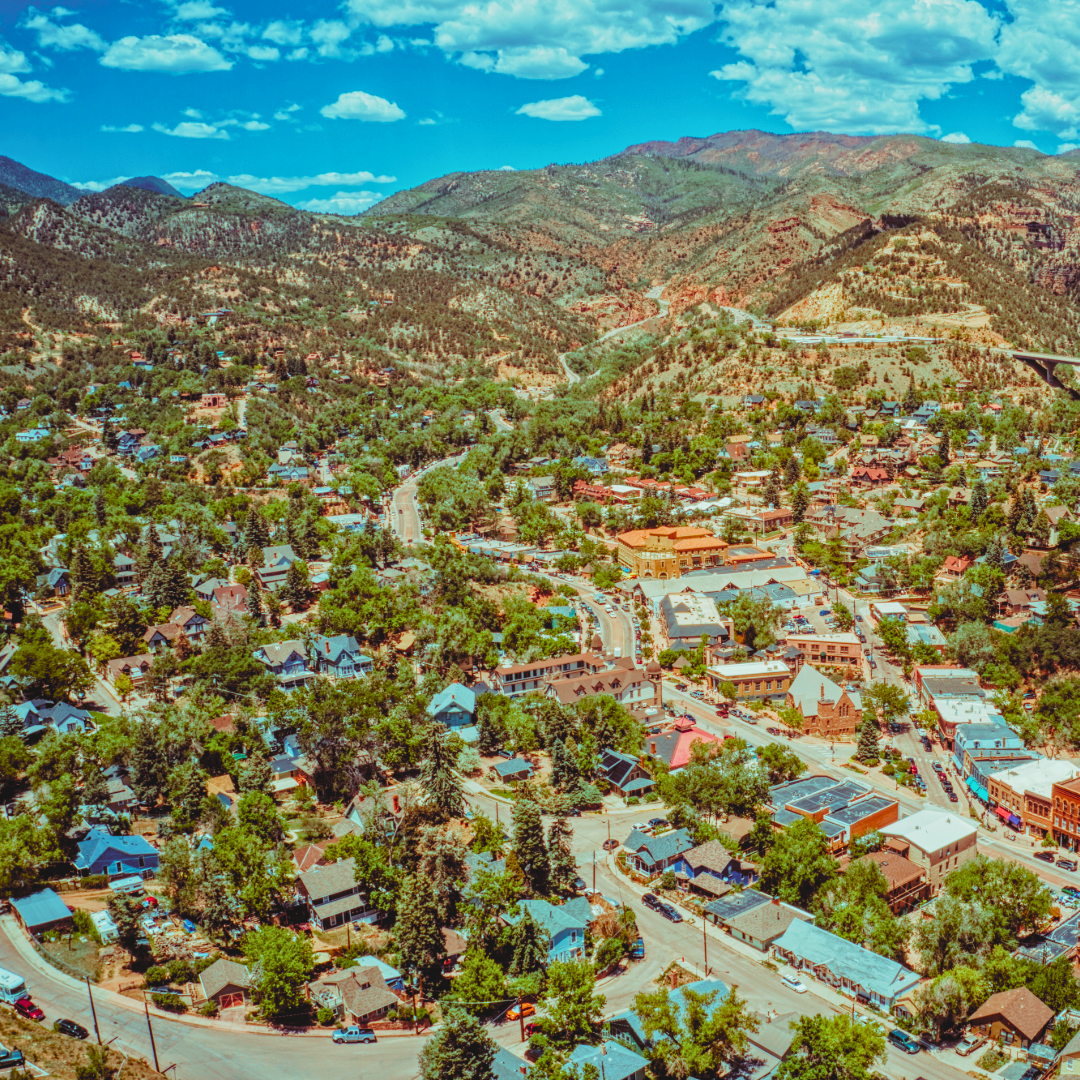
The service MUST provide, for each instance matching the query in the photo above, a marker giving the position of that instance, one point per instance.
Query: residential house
(357, 995)
(845, 966)
(56, 582)
(160, 638)
(226, 983)
(652, 855)
(194, 625)
(39, 715)
(611, 1061)
(287, 662)
(1069, 1058)
(204, 590)
(124, 569)
(134, 667)
(276, 562)
(566, 924)
(711, 870)
(31, 435)
(598, 466)
(625, 773)
(340, 656)
(117, 856)
(936, 840)
(228, 599)
(543, 487)
(512, 771)
(753, 917)
(454, 707)
(828, 710)
(906, 880)
(629, 686)
(675, 746)
(514, 680)
(1014, 1017)
(333, 896)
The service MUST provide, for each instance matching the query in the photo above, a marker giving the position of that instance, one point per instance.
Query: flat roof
(737, 903)
(931, 830)
(839, 795)
(860, 809)
(752, 668)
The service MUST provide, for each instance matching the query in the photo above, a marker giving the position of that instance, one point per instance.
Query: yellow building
(669, 552)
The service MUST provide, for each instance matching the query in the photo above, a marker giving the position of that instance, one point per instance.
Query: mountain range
(806, 226)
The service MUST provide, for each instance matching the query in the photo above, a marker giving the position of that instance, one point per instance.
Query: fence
(56, 962)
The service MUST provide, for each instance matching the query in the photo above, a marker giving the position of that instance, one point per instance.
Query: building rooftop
(860, 810)
(930, 830)
(1038, 776)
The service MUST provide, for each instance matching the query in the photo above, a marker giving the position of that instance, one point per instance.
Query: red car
(26, 1008)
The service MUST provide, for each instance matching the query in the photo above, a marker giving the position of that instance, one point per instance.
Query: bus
(12, 986)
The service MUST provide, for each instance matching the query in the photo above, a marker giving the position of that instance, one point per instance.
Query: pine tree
(528, 944)
(1015, 518)
(792, 471)
(869, 734)
(83, 575)
(254, 603)
(100, 510)
(529, 846)
(256, 531)
(256, 775)
(216, 637)
(439, 778)
(944, 446)
(10, 724)
(460, 1050)
(563, 864)
(295, 589)
(560, 775)
(980, 499)
(166, 586)
(995, 553)
(800, 502)
(417, 932)
(149, 554)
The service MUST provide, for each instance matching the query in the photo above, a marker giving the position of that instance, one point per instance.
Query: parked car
(578, 884)
(670, 913)
(901, 1039)
(27, 1009)
(953, 797)
(969, 1044)
(651, 901)
(527, 1009)
(354, 1035)
(641, 827)
(611, 844)
(69, 1027)
(793, 983)
(1071, 891)
(637, 950)
(1067, 864)
(1046, 856)
(11, 1059)
(658, 823)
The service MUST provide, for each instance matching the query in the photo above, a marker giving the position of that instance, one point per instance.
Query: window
(142, 861)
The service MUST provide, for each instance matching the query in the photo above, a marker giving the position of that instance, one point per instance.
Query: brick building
(827, 710)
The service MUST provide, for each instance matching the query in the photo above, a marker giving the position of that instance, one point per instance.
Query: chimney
(327, 646)
(652, 748)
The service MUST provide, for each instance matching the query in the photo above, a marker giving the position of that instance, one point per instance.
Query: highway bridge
(1045, 364)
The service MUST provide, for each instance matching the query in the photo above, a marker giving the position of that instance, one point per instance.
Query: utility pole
(521, 1019)
(594, 871)
(93, 1011)
(705, 942)
(150, 1028)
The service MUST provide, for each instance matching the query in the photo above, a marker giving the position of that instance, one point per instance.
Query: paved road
(101, 697)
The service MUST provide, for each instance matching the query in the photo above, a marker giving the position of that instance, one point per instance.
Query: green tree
(417, 932)
(460, 1050)
(187, 789)
(528, 944)
(1016, 896)
(43, 670)
(573, 1008)
(701, 1036)
(563, 864)
(946, 1002)
(781, 763)
(799, 864)
(281, 964)
(480, 985)
(894, 636)
(256, 775)
(869, 737)
(832, 1048)
(854, 907)
(885, 703)
(529, 846)
(439, 777)
(127, 913)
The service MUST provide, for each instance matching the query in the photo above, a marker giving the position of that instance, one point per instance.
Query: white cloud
(128, 129)
(198, 9)
(1065, 147)
(356, 105)
(264, 53)
(329, 37)
(427, 122)
(344, 202)
(567, 108)
(507, 168)
(192, 114)
(847, 67)
(191, 180)
(281, 185)
(286, 112)
(52, 35)
(12, 62)
(173, 53)
(955, 137)
(598, 73)
(383, 44)
(539, 40)
(1025, 144)
(34, 91)
(101, 185)
(298, 54)
(284, 32)
(193, 129)
(1050, 110)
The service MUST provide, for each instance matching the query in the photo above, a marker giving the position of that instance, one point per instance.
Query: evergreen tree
(528, 944)
(256, 775)
(10, 724)
(417, 932)
(563, 864)
(562, 771)
(295, 589)
(529, 846)
(980, 499)
(1015, 518)
(995, 553)
(439, 778)
(800, 502)
(254, 603)
(911, 398)
(943, 448)
(83, 575)
(109, 437)
(166, 586)
(149, 554)
(216, 637)
(100, 510)
(256, 531)
(869, 736)
(460, 1050)
(792, 471)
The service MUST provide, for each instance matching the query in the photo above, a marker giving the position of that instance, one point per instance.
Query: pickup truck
(354, 1035)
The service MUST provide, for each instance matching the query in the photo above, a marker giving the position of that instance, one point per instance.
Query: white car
(793, 982)
(641, 827)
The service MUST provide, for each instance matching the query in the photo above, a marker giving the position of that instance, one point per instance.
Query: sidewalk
(109, 998)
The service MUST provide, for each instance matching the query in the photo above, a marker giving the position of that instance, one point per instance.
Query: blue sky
(331, 106)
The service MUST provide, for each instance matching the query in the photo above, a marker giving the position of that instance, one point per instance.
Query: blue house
(565, 925)
(340, 656)
(116, 856)
(596, 465)
(712, 870)
(653, 855)
(454, 707)
(147, 453)
(38, 715)
(612, 1061)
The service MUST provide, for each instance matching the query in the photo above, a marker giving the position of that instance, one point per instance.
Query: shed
(226, 983)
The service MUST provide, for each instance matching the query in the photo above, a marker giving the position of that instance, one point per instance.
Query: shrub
(180, 971)
(633, 801)
(170, 1002)
(95, 881)
(667, 880)
(85, 925)
(208, 1008)
(325, 1017)
(156, 975)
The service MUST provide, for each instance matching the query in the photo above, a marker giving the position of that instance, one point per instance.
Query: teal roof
(553, 919)
(618, 1063)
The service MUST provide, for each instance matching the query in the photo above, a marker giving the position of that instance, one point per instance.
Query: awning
(974, 786)
(1015, 822)
(1002, 813)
